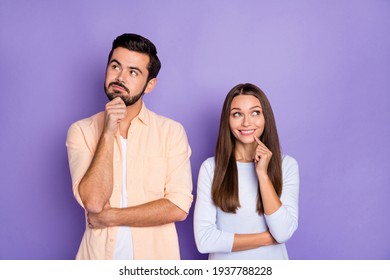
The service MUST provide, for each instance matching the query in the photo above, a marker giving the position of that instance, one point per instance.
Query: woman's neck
(245, 152)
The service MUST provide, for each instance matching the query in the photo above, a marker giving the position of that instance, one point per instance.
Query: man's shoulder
(85, 130)
(90, 122)
(164, 122)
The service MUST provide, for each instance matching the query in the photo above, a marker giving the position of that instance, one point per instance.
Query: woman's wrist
(266, 239)
(262, 175)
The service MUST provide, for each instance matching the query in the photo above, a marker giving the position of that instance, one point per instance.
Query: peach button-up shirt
(158, 166)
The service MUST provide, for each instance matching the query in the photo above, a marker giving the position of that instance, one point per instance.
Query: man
(130, 167)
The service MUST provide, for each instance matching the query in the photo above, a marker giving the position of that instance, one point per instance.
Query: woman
(247, 196)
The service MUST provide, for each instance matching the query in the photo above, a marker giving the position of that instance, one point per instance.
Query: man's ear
(150, 85)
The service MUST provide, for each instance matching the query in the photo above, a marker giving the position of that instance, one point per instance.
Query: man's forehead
(130, 58)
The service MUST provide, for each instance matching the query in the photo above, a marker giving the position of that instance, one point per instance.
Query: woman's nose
(246, 120)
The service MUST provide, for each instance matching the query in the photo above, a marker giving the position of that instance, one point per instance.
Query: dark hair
(137, 43)
(225, 182)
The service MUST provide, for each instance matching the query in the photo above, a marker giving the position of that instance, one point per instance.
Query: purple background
(323, 64)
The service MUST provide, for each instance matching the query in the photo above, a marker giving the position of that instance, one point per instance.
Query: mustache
(119, 84)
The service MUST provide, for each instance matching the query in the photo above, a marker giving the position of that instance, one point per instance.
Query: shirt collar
(143, 115)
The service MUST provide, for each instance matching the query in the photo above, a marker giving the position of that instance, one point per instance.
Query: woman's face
(246, 118)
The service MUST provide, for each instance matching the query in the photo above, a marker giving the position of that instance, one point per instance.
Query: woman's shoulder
(287, 159)
(209, 163)
(289, 163)
(206, 173)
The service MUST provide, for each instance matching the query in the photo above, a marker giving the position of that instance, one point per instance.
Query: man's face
(126, 76)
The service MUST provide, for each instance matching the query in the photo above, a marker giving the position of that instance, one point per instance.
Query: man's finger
(117, 100)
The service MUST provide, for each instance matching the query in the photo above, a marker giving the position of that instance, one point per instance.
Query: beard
(127, 99)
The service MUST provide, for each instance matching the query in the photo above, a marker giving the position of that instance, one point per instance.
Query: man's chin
(126, 99)
(113, 95)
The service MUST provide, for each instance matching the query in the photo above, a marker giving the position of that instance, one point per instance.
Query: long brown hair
(225, 182)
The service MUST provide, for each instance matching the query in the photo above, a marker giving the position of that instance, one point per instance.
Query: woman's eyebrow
(251, 108)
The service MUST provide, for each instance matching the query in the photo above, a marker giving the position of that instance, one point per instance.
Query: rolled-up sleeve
(284, 222)
(208, 238)
(79, 156)
(178, 187)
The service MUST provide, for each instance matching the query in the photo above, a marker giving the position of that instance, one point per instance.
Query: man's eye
(115, 67)
(133, 73)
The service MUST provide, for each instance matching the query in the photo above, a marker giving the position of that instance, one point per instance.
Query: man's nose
(121, 76)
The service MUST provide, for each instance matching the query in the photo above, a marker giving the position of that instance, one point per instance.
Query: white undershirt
(124, 241)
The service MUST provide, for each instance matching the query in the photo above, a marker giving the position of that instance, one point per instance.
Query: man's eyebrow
(135, 68)
(116, 61)
(130, 67)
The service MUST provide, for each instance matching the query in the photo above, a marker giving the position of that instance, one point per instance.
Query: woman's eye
(236, 114)
(256, 113)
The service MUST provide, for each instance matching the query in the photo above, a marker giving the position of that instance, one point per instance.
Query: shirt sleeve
(284, 222)
(79, 156)
(208, 238)
(178, 187)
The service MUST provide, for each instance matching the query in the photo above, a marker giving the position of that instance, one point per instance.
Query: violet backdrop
(323, 64)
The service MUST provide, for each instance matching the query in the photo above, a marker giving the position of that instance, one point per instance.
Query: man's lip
(118, 87)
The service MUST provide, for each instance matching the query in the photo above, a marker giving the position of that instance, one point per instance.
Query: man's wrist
(107, 134)
(113, 217)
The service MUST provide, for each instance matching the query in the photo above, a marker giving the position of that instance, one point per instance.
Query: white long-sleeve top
(214, 229)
